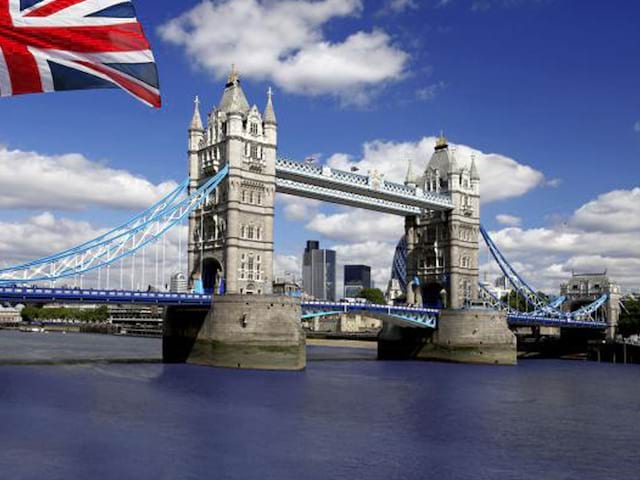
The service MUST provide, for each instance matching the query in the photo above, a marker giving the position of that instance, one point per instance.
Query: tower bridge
(228, 201)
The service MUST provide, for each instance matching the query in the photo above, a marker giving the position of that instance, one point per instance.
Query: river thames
(347, 416)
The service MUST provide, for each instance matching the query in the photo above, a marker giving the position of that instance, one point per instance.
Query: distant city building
(319, 272)
(356, 278)
(9, 315)
(178, 283)
(289, 288)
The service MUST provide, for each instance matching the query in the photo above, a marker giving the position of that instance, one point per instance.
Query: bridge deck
(402, 315)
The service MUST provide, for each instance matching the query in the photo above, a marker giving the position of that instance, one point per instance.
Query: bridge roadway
(400, 315)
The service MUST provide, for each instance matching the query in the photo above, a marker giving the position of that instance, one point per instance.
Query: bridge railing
(372, 182)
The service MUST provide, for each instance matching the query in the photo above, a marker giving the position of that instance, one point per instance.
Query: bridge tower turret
(231, 236)
(442, 266)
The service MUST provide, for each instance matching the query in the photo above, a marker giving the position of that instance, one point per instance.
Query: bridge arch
(434, 295)
(212, 275)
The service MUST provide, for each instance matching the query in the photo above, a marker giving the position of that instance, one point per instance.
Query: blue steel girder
(408, 316)
(541, 306)
(116, 244)
(349, 188)
(43, 295)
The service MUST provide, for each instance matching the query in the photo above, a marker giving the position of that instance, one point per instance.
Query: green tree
(372, 295)
(629, 322)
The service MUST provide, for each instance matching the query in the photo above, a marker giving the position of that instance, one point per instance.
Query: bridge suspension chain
(116, 244)
(542, 308)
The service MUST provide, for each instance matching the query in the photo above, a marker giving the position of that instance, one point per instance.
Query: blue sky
(550, 85)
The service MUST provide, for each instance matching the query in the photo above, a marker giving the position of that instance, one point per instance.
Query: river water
(346, 417)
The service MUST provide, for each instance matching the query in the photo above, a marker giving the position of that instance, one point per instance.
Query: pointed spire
(474, 170)
(233, 98)
(234, 78)
(453, 162)
(196, 121)
(410, 179)
(269, 114)
(441, 142)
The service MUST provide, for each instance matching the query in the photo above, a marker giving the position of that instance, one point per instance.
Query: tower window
(254, 151)
(254, 129)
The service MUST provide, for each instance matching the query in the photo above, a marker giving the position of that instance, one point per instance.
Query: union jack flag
(52, 45)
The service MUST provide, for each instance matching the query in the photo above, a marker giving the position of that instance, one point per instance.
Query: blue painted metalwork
(407, 316)
(162, 205)
(542, 308)
(528, 293)
(94, 296)
(544, 313)
(411, 316)
(116, 244)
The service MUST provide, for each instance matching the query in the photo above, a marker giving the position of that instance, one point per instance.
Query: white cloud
(398, 6)
(287, 266)
(378, 255)
(356, 225)
(298, 208)
(70, 182)
(501, 177)
(601, 235)
(554, 182)
(616, 211)
(41, 235)
(284, 42)
(46, 234)
(510, 220)
(430, 91)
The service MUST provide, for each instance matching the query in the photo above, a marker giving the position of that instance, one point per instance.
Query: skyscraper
(356, 277)
(319, 272)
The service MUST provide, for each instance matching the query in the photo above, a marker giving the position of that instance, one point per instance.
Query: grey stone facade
(442, 248)
(231, 235)
(583, 289)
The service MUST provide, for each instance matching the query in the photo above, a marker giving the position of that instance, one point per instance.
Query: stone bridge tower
(231, 246)
(231, 235)
(442, 247)
(442, 271)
